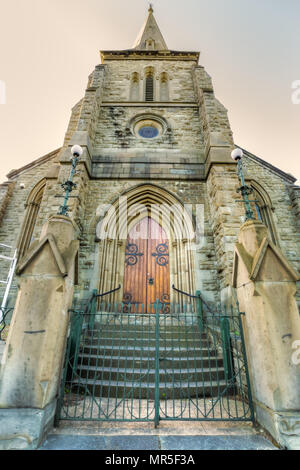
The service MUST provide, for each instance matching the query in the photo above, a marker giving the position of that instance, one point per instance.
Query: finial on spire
(150, 33)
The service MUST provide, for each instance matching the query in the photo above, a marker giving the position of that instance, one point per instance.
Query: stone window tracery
(31, 215)
(164, 87)
(135, 87)
(263, 208)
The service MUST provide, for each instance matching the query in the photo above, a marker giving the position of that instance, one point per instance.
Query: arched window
(263, 208)
(149, 84)
(164, 87)
(32, 209)
(135, 87)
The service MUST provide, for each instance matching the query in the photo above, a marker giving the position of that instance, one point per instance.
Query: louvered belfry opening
(149, 95)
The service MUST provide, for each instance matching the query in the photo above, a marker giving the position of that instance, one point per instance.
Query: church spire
(150, 37)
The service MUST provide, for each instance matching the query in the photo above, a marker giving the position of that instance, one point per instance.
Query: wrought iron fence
(184, 364)
(5, 320)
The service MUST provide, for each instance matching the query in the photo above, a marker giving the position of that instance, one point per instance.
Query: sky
(249, 47)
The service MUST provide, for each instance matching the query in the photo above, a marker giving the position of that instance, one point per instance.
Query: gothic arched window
(149, 84)
(135, 87)
(32, 209)
(263, 208)
(164, 87)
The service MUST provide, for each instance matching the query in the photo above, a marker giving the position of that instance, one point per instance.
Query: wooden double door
(147, 267)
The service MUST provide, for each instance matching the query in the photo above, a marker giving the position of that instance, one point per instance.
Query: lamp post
(68, 185)
(245, 190)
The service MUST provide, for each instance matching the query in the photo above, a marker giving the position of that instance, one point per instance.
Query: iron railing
(180, 365)
(5, 320)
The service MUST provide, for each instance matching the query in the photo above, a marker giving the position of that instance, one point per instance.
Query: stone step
(145, 333)
(189, 343)
(144, 351)
(125, 390)
(144, 362)
(145, 326)
(137, 374)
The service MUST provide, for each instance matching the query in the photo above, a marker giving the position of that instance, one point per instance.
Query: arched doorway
(118, 222)
(147, 267)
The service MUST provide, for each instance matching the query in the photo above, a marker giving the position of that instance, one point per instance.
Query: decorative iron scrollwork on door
(127, 299)
(132, 254)
(162, 254)
(165, 300)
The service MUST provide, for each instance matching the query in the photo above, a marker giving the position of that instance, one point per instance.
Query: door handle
(151, 281)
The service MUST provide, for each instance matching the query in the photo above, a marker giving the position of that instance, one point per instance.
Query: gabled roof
(286, 176)
(39, 161)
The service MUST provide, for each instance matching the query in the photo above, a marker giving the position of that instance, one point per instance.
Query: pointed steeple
(150, 37)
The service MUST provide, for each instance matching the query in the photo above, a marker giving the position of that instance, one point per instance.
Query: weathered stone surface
(25, 429)
(2, 347)
(190, 160)
(32, 361)
(266, 288)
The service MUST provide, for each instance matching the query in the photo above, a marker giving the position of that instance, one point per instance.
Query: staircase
(119, 360)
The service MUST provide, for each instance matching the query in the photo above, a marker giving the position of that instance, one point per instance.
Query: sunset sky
(251, 48)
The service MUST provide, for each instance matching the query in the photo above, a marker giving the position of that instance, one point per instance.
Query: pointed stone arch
(149, 84)
(135, 87)
(164, 87)
(32, 206)
(123, 214)
(263, 209)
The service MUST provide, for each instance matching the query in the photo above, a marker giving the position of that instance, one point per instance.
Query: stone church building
(156, 159)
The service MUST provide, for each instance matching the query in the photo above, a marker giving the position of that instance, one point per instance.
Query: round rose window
(148, 132)
(148, 126)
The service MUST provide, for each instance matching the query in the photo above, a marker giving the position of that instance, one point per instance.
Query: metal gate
(181, 364)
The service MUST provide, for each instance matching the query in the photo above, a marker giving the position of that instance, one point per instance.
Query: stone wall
(183, 129)
(119, 73)
(213, 115)
(284, 214)
(226, 218)
(175, 162)
(223, 216)
(104, 192)
(295, 198)
(6, 190)
(13, 217)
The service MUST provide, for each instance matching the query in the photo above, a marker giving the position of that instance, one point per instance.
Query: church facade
(154, 133)
(156, 160)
